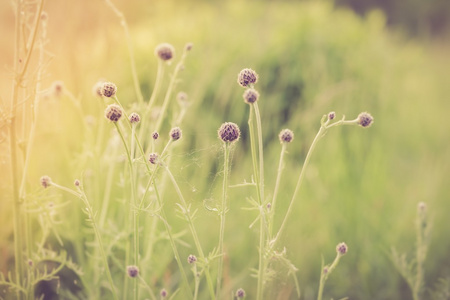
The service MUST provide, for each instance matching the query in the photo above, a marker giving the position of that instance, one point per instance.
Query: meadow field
(92, 208)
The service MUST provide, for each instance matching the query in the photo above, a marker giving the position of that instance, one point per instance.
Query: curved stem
(223, 211)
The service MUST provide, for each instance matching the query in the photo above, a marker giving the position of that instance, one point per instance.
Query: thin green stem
(325, 272)
(188, 217)
(276, 189)
(260, 150)
(223, 211)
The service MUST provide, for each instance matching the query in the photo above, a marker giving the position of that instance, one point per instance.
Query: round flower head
(341, 248)
(165, 51)
(46, 181)
(113, 112)
(134, 118)
(163, 293)
(58, 88)
(240, 293)
(188, 46)
(155, 135)
(108, 89)
(331, 115)
(250, 96)
(286, 136)
(153, 158)
(365, 119)
(247, 77)
(191, 259)
(133, 271)
(175, 133)
(77, 183)
(229, 132)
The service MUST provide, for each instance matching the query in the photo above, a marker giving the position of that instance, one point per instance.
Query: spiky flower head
(163, 293)
(113, 112)
(341, 248)
(134, 118)
(192, 259)
(46, 181)
(175, 133)
(250, 96)
(153, 158)
(165, 51)
(155, 135)
(247, 77)
(365, 119)
(108, 89)
(229, 132)
(133, 271)
(286, 136)
(331, 115)
(240, 293)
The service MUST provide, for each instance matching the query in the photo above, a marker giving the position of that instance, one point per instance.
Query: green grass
(362, 185)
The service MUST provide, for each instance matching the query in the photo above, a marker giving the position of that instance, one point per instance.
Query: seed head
(134, 118)
(165, 51)
(189, 46)
(250, 96)
(46, 181)
(155, 135)
(113, 112)
(175, 133)
(247, 77)
(163, 293)
(77, 183)
(365, 119)
(108, 89)
(229, 132)
(240, 293)
(133, 271)
(331, 115)
(192, 259)
(341, 248)
(153, 158)
(286, 136)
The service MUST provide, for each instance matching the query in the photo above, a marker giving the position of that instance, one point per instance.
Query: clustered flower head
(77, 183)
(286, 136)
(341, 248)
(46, 181)
(113, 112)
(365, 119)
(240, 293)
(175, 133)
(108, 89)
(189, 46)
(155, 135)
(163, 293)
(250, 96)
(191, 259)
(331, 115)
(153, 158)
(165, 51)
(133, 271)
(229, 132)
(134, 118)
(247, 77)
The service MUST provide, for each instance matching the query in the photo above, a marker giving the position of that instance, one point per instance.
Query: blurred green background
(363, 185)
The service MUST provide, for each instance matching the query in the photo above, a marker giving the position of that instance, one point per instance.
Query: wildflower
(57, 88)
(240, 293)
(188, 46)
(153, 158)
(113, 112)
(331, 115)
(133, 271)
(165, 51)
(250, 96)
(286, 136)
(365, 119)
(108, 89)
(155, 135)
(247, 77)
(46, 181)
(341, 249)
(163, 293)
(134, 118)
(191, 259)
(77, 183)
(175, 133)
(229, 132)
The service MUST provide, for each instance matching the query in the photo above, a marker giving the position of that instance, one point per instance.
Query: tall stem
(223, 211)
(260, 150)
(276, 189)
